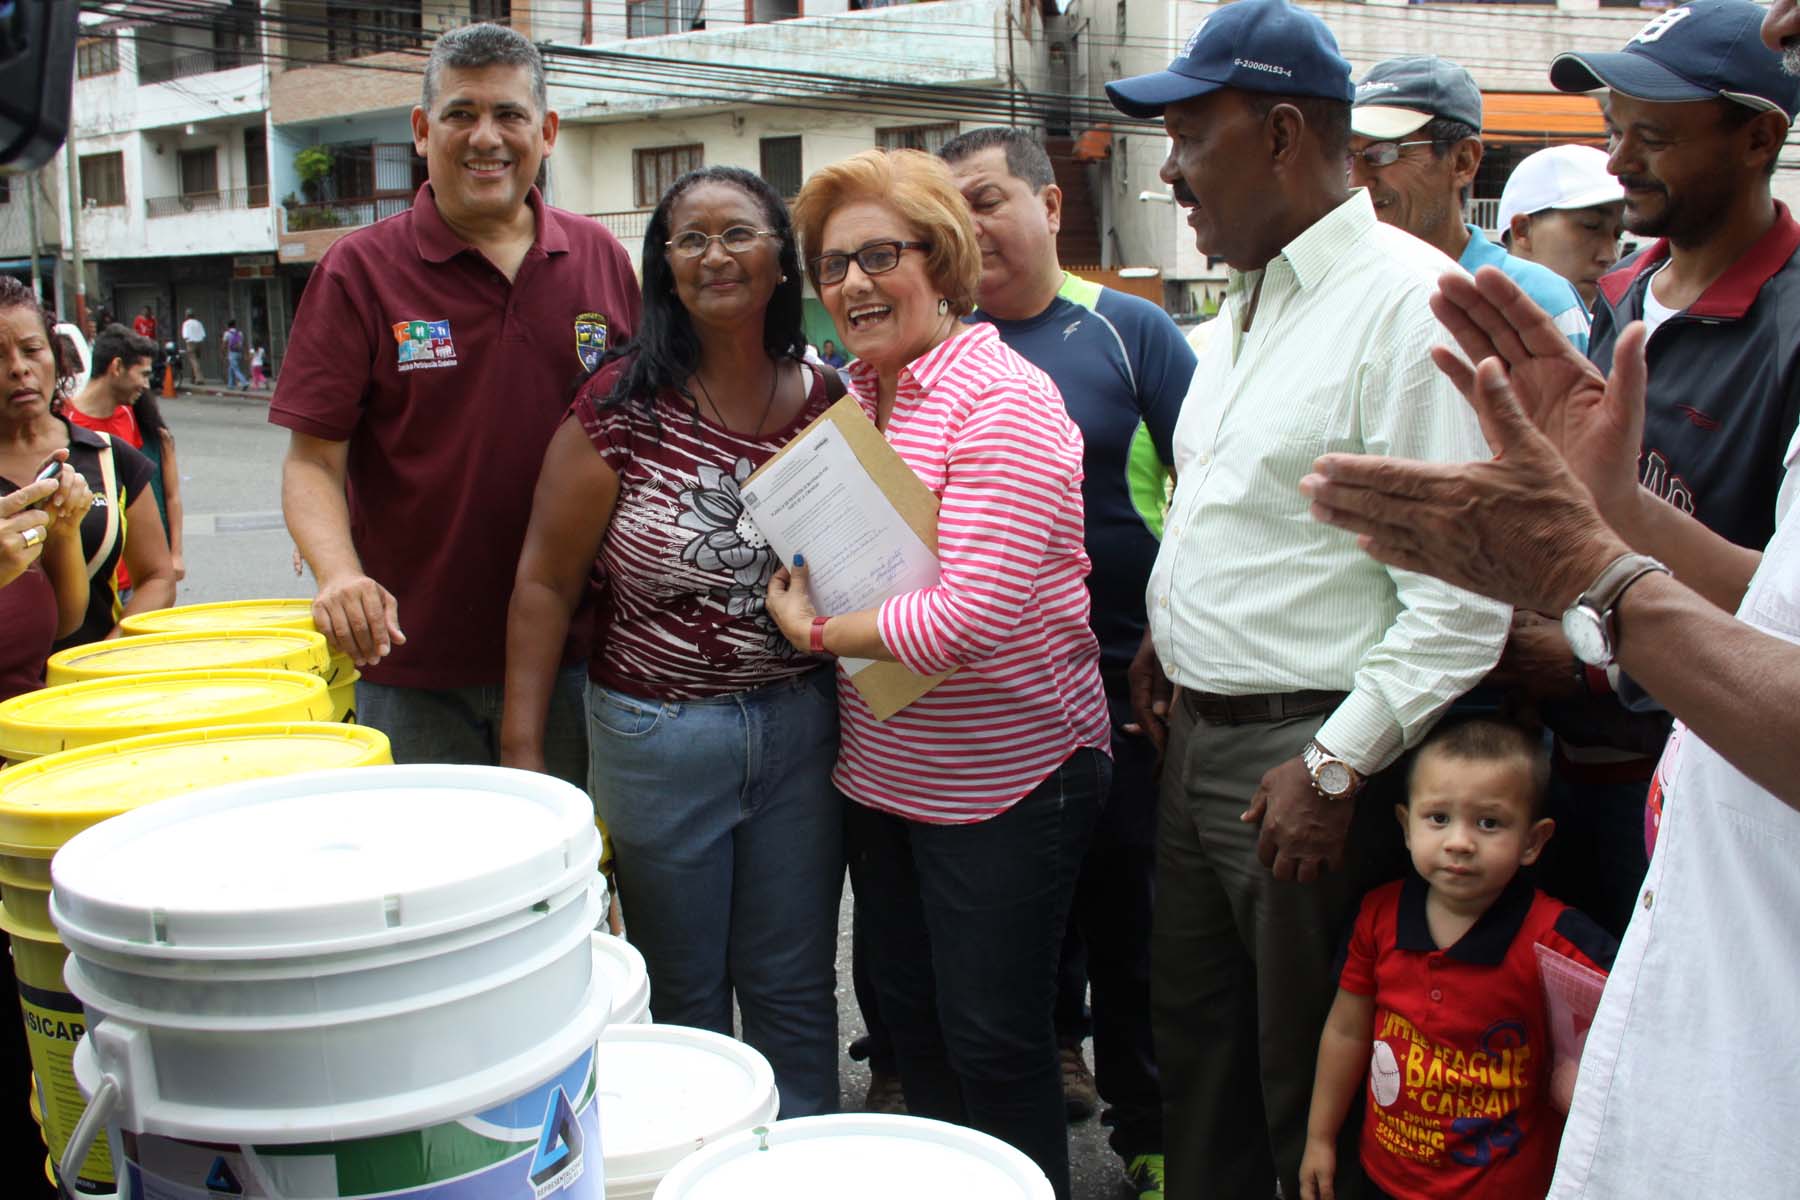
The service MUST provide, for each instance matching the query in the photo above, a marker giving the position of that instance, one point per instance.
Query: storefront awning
(1541, 117)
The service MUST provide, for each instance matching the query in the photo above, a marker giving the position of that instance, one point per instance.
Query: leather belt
(1251, 710)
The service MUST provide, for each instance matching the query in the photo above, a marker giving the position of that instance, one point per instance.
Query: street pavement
(237, 548)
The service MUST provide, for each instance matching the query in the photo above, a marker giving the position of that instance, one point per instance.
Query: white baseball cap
(1558, 177)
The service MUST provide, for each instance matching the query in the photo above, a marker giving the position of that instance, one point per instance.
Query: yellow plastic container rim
(222, 614)
(47, 801)
(73, 715)
(267, 649)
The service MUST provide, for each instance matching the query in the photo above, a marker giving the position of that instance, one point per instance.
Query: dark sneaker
(1080, 1096)
(885, 1094)
(1145, 1173)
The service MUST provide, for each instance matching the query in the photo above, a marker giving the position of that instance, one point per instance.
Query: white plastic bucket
(666, 1091)
(627, 979)
(347, 983)
(867, 1155)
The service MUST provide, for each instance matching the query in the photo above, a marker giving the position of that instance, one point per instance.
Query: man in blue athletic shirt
(1416, 144)
(1123, 369)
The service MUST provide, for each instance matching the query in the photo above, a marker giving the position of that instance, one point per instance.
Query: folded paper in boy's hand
(1571, 997)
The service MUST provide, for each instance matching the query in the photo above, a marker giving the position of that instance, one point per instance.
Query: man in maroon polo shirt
(432, 358)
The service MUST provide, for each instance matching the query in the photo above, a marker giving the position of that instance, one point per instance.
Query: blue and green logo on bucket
(543, 1144)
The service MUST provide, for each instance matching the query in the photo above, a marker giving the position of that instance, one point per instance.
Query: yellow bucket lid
(103, 710)
(47, 801)
(223, 614)
(270, 649)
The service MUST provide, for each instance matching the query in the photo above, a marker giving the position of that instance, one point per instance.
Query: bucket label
(54, 1025)
(543, 1144)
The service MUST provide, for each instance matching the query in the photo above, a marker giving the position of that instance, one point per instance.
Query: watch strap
(1603, 594)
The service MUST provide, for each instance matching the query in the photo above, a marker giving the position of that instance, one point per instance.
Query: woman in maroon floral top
(710, 739)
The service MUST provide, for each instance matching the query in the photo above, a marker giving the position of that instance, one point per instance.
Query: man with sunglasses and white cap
(1305, 669)
(1562, 209)
(1415, 143)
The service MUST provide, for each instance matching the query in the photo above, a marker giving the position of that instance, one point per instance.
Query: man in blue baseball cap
(1304, 667)
(1698, 109)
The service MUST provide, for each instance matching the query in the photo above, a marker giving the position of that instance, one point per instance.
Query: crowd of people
(1287, 821)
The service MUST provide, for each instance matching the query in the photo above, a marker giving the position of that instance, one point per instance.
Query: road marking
(207, 524)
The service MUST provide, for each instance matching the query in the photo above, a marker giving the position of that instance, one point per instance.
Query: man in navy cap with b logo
(1305, 668)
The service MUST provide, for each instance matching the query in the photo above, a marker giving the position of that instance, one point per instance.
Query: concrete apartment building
(222, 149)
(171, 148)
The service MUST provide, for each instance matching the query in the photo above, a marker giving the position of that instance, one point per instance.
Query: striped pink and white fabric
(988, 433)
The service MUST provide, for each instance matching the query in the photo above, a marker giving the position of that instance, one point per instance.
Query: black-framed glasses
(876, 258)
(739, 239)
(1380, 154)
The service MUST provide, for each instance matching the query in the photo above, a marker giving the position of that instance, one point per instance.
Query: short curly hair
(922, 192)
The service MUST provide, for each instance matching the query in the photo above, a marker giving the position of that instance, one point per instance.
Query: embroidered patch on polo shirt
(424, 345)
(590, 339)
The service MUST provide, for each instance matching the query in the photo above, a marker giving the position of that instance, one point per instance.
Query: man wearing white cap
(1416, 145)
(1563, 210)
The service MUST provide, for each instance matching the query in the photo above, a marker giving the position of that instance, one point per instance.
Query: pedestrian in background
(1563, 209)
(193, 336)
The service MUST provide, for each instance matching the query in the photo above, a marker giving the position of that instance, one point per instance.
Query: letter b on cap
(1661, 24)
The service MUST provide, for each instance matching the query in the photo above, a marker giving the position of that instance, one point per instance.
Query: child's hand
(1317, 1167)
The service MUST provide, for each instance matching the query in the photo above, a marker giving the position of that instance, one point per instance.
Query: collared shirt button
(1649, 896)
(1204, 458)
(1162, 602)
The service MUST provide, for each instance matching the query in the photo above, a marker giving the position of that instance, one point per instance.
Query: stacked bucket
(256, 958)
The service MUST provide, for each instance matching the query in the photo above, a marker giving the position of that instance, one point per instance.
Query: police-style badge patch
(590, 339)
(424, 345)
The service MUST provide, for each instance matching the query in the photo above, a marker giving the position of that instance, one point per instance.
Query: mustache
(1640, 183)
(1182, 194)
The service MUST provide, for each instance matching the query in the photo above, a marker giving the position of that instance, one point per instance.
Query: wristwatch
(1331, 776)
(1591, 623)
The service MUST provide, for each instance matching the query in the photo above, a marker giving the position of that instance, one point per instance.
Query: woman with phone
(121, 521)
(710, 739)
(43, 580)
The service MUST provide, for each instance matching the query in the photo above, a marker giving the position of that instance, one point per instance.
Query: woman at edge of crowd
(43, 579)
(122, 521)
(967, 812)
(711, 741)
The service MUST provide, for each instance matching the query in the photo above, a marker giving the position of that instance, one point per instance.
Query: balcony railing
(627, 226)
(1485, 214)
(346, 213)
(219, 200)
(194, 62)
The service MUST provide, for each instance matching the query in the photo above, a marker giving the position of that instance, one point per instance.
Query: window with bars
(781, 165)
(656, 168)
(97, 56)
(354, 29)
(648, 18)
(490, 10)
(6, 189)
(103, 179)
(929, 138)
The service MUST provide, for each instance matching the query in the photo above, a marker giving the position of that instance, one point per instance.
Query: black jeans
(963, 926)
(1108, 944)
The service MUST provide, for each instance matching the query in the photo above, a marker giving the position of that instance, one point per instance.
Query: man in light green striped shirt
(1304, 668)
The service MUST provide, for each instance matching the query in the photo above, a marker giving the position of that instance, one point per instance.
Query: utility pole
(31, 217)
(80, 315)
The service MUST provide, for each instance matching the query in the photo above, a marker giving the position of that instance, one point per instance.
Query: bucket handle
(93, 1120)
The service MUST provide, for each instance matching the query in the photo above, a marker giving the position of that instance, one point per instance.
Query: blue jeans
(964, 927)
(728, 844)
(234, 369)
(462, 725)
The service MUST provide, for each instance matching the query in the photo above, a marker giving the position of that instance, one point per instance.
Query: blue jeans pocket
(623, 716)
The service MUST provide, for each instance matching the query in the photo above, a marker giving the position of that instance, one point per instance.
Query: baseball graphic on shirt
(1384, 1075)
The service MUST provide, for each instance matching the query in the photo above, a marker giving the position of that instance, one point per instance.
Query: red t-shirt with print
(1459, 1077)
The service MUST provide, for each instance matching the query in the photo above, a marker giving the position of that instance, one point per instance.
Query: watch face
(1334, 778)
(1587, 635)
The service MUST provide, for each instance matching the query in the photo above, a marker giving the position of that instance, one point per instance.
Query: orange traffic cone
(168, 381)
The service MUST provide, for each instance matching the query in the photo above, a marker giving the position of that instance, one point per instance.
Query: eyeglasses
(876, 258)
(1381, 154)
(739, 239)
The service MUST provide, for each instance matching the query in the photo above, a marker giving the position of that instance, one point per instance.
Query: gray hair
(472, 47)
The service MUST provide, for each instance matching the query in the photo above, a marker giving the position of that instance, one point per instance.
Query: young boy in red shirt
(1439, 1004)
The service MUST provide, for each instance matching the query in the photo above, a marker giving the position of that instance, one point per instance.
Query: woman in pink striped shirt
(969, 809)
